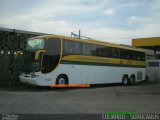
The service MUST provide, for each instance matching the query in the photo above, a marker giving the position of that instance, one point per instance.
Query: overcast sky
(117, 21)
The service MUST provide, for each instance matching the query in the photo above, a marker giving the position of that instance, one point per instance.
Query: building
(152, 46)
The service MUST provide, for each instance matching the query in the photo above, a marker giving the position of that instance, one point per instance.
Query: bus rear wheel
(62, 79)
(132, 80)
(125, 80)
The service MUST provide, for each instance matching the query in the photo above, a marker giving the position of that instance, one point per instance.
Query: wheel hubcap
(125, 81)
(61, 81)
(131, 80)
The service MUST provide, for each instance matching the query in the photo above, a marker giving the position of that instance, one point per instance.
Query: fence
(11, 41)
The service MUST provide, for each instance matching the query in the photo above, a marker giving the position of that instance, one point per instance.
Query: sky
(117, 21)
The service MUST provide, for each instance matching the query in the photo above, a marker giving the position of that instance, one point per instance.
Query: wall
(11, 41)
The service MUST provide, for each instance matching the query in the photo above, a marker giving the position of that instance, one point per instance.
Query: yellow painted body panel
(80, 58)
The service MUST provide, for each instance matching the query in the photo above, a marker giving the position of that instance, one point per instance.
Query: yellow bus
(54, 59)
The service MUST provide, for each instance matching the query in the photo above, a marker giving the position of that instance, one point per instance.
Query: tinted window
(48, 63)
(153, 64)
(116, 52)
(140, 56)
(71, 47)
(52, 47)
(88, 49)
(52, 55)
(99, 50)
(126, 54)
(104, 51)
(80, 48)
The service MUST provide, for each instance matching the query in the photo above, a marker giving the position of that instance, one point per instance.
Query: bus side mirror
(37, 55)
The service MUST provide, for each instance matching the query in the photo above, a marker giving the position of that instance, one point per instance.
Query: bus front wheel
(62, 79)
(125, 80)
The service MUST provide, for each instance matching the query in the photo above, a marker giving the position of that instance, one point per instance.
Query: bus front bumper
(28, 80)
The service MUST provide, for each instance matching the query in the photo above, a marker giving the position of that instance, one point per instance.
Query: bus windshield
(35, 44)
(29, 64)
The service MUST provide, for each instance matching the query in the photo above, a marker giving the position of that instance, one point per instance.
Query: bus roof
(93, 41)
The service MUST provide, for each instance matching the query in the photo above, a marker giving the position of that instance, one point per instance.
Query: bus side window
(139, 56)
(136, 56)
(126, 54)
(116, 53)
(104, 51)
(109, 51)
(129, 54)
(122, 53)
(88, 49)
(85, 50)
(92, 50)
(99, 51)
(142, 56)
(132, 55)
(72, 48)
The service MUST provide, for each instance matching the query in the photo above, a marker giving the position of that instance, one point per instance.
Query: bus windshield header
(35, 44)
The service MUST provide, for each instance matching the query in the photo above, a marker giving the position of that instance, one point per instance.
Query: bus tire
(62, 79)
(125, 80)
(132, 80)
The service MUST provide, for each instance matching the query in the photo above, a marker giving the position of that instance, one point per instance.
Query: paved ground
(142, 98)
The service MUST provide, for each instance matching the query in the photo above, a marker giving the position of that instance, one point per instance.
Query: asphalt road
(141, 98)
